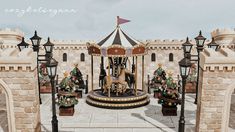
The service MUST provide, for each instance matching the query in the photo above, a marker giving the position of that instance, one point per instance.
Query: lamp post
(36, 46)
(51, 66)
(185, 65)
(200, 40)
(213, 44)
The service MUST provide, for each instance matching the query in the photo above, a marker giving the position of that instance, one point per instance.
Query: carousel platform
(123, 101)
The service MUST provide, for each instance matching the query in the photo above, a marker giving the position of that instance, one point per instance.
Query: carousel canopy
(118, 37)
(117, 44)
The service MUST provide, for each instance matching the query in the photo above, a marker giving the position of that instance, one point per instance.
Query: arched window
(171, 57)
(153, 57)
(64, 57)
(82, 57)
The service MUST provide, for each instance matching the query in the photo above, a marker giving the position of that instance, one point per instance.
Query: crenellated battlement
(12, 59)
(224, 31)
(11, 32)
(168, 44)
(223, 37)
(222, 60)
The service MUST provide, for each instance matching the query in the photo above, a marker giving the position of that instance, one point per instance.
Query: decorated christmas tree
(43, 77)
(192, 77)
(169, 97)
(66, 96)
(76, 77)
(158, 81)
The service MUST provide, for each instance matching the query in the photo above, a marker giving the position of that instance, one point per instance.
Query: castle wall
(162, 49)
(18, 78)
(216, 85)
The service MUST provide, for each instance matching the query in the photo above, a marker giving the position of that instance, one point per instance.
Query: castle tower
(9, 38)
(224, 37)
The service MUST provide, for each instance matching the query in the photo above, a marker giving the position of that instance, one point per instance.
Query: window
(82, 57)
(153, 57)
(64, 57)
(171, 57)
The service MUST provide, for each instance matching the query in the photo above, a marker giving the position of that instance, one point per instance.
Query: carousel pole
(136, 76)
(101, 72)
(143, 89)
(92, 72)
(133, 64)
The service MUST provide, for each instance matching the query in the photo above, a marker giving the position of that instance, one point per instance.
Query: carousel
(118, 87)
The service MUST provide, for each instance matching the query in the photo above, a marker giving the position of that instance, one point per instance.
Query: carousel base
(123, 101)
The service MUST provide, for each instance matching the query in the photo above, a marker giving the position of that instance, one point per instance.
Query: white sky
(94, 19)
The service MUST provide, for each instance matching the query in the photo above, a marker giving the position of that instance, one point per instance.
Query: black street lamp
(48, 48)
(51, 66)
(36, 42)
(200, 40)
(36, 46)
(22, 44)
(213, 44)
(185, 65)
(187, 46)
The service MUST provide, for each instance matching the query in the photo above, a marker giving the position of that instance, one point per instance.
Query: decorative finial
(76, 64)
(170, 73)
(187, 40)
(200, 33)
(66, 74)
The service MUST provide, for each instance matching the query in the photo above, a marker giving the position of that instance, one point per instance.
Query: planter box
(190, 87)
(169, 111)
(78, 93)
(157, 94)
(45, 89)
(66, 111)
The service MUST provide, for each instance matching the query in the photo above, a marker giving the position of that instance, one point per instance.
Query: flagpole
(117, 21)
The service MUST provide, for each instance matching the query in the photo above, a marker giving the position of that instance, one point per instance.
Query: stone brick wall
(19, 76)
(216, 84)
(3, 111)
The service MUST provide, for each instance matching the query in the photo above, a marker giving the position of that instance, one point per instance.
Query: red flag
(121, 20)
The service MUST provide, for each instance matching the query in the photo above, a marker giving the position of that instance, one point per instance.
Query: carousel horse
(130, 79)
(122, 84)
(120, 81)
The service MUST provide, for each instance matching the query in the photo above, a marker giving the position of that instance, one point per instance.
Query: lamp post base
(195, 102)
(54, 123)
(40, 100)
(181, 125)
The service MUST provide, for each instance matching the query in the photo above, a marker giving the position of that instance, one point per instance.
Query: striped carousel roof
(118, 37)
(117, 44)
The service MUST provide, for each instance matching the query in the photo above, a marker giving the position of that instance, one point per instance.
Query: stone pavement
(91, 119)
(144, 119)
